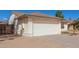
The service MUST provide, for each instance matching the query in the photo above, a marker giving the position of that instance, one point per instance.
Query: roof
(74, 22)
(67, 21)
(18, 14)
(39, 14)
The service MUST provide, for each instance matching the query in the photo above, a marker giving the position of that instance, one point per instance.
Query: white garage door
(46, 29)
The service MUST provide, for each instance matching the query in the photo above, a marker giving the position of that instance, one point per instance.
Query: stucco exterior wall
(71, 27)
(25, 26)
(19, 29)
(15, 26)
(30, 26)
(65, 28)
(11, 19)
(22, 27)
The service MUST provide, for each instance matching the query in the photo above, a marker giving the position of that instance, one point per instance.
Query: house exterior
(35, 24)
(65, 25)
(73, 25)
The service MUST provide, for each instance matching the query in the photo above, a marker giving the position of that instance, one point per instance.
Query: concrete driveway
(28, 42)
(67, 40)
(51, 41)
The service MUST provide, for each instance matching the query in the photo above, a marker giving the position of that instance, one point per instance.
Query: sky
(73, 14)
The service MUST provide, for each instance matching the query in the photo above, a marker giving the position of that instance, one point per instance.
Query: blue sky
(5, 14)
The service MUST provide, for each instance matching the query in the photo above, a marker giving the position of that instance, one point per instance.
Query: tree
(59, 14)
(76, 24)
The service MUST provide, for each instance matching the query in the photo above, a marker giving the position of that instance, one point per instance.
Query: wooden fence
(6, 29)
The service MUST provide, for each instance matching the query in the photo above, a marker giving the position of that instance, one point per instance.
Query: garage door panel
(46, 29)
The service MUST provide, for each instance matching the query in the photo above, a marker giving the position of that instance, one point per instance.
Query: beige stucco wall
(22, 26)
(65, 28)
(71, 27)
(30, 26)
(11, 19)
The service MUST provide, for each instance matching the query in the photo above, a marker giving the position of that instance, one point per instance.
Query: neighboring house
(65, 25)
(71, 27)
(35, 24)
(74, 25)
